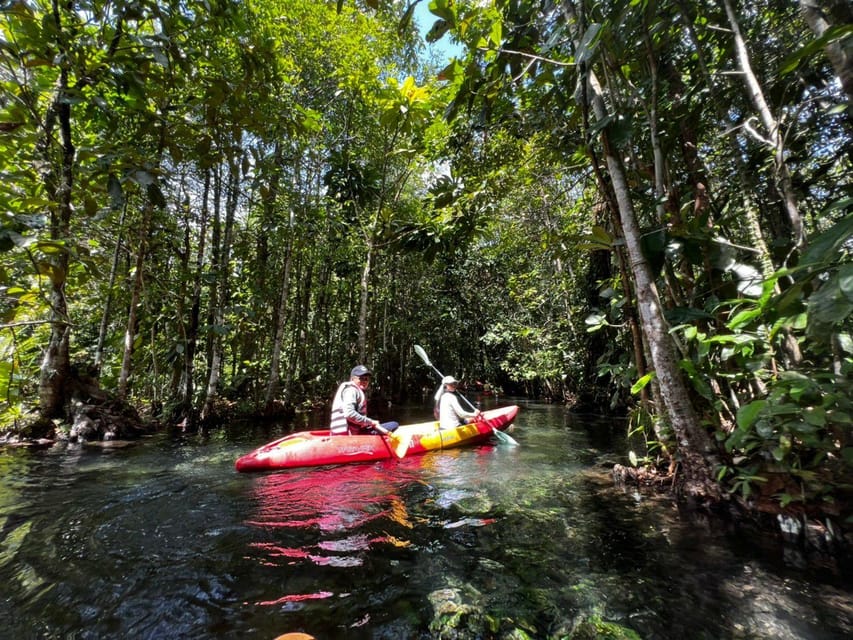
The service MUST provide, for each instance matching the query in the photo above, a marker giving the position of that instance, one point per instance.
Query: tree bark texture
(56, 366)
(694, 444)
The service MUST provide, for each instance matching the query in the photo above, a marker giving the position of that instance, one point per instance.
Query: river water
(163, 539)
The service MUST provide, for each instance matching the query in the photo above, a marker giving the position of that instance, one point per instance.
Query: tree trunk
(695, 448)
(774, 136)
(364, 292)
(191, 332)
(301, 346)
(56, 366)
(694, 443)
(223, 284)
(105, 317)
(629, 310)
(284, 294)
(281, 324)
(136, 294)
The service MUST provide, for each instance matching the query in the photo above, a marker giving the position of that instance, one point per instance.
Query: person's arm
(462, 413)
(350, 402)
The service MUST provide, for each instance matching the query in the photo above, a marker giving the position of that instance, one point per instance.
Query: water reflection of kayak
(313, 448)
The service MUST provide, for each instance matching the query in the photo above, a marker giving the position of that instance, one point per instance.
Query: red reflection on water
(331, 499)
(299, 597)
(330, 515)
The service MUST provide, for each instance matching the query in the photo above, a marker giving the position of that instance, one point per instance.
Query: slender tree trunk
(629, 311)
(694, 443)
(56, 366)
(213, 277)
(188, 393)
(301, 346)
(284, 295)
(153, 196)
(281, 324)
(105, 316)
(661, 186)
(223, 284)
(364, 292)
(774, 136)
(136, 295)
(182, 300)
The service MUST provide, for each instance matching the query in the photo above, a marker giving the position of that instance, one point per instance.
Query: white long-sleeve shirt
(450, 412)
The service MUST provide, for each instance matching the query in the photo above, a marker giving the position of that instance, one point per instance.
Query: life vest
(338, 423)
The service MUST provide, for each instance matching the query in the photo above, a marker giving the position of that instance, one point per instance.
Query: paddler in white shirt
(450, 412)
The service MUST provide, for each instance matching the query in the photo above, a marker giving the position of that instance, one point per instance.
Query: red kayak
(314, 448)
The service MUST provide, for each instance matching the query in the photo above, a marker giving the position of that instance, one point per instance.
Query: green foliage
(652, 451)
(802, 428)
(743, 326)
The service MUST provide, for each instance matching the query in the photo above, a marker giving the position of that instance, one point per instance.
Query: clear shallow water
(163, 539)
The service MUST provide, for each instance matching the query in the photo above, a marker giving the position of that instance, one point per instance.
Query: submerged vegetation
(634, 207)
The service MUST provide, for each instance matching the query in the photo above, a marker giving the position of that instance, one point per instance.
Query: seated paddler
(450, 411)
(349, 407)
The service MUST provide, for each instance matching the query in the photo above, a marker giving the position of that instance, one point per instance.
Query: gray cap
(360, 370)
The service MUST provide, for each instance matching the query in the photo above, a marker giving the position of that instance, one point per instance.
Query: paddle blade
(400, 444)
(422, 355)
(504, 438)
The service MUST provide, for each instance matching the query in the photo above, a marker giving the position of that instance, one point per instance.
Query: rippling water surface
(163, 539)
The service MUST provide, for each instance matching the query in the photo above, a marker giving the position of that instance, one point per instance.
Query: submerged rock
(594, 628)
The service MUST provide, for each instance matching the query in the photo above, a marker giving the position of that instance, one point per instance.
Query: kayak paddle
(500, 435)
(400, 443)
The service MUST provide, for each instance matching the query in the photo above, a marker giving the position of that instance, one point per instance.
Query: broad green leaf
(815, 46)
(444, 9)
(845, 280)
(587, 47)
(748, 413)
(829, 304)
(642, 382)
(496, 33)
(815, 416)
(825, 246)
